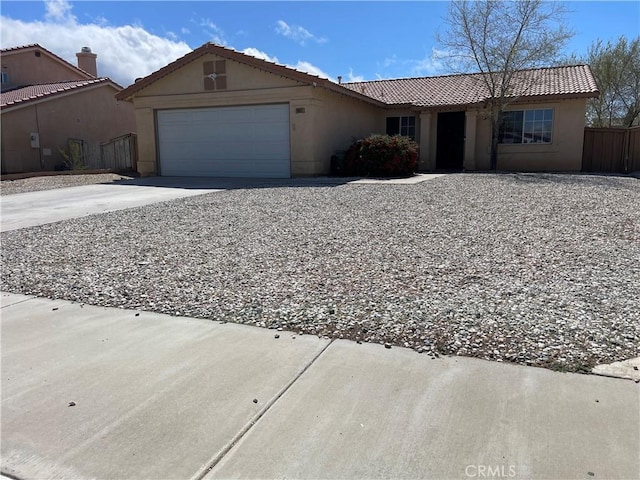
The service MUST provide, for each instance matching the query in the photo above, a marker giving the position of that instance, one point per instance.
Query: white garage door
(247, 141)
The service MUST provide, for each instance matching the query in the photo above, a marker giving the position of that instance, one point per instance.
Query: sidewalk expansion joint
(18, 302)
(205, 471)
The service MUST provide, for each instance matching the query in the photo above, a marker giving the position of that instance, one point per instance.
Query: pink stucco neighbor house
(219, 112)
(46, 102)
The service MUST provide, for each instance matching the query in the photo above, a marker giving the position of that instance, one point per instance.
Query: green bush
(71, 157)
(381, 156)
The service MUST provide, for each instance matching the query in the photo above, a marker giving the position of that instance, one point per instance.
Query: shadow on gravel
(575, 179)
(235, 183)
(583, 179)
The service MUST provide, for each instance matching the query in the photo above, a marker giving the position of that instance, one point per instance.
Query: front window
(405, 126)
(4, 78)
(527, 126)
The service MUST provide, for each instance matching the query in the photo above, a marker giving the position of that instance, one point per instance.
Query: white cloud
(387, 62)
(100, 20)
(124, 52)
(431, 64)
(354, 78)
(297, 33)
(301, 65)
(59, 10)
(307, 67)
(215, 33)
(254, 52)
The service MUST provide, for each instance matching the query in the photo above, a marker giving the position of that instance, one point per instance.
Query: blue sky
(356, 40)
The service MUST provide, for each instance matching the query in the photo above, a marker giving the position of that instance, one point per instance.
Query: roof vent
(85, 49)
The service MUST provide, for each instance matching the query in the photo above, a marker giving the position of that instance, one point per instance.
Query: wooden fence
(611, 150)
(120, 153)
(117, 154)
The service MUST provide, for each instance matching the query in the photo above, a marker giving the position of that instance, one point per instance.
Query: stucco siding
(324, 122)
(147, 146)
(564, 153)
(17, 153)
(24, 68)
(93, 116)
(304, 114)
(190, 79)
(340, 120)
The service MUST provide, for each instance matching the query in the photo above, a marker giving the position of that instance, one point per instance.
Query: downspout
(40, 144)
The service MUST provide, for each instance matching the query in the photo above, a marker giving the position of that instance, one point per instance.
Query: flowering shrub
(381, 156)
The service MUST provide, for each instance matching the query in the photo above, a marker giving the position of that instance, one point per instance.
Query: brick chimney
(87, 61)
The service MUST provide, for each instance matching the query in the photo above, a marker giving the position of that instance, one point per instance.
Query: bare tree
(500, 39)
(616, 67)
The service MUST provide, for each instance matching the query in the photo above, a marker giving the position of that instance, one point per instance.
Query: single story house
(46, 102)
(219, 112)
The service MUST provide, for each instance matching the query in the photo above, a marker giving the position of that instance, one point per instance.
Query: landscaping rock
(536, 269)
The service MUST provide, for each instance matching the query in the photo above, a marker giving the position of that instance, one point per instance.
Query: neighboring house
(46, 102)
(219, 112)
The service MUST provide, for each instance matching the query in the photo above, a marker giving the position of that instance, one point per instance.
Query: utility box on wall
(35, 140)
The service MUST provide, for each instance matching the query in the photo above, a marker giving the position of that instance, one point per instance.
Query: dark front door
(450, 141)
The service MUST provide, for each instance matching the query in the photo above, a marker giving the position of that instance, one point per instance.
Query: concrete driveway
(48, 206)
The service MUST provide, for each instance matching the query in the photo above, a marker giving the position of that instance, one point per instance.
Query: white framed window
(405, 126)
(4, 77)
(526, 126)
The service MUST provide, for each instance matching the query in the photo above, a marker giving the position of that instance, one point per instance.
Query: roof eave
(337, 88)
(129, 92)
(554, 96)
(57, 95)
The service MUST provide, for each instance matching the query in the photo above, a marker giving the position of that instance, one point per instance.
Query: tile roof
(21, 47)
(469, 89)
(451, 90)
(37, 92)
(240, 57)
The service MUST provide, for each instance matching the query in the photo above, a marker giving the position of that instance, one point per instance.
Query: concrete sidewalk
(91, 392)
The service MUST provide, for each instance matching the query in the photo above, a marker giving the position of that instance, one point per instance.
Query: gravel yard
(33, 184)
(534, 269)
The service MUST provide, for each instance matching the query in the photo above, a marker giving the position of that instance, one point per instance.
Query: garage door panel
(246, 141)
(277, 131)
(220, 168)
(272, 114)
(221, 152)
